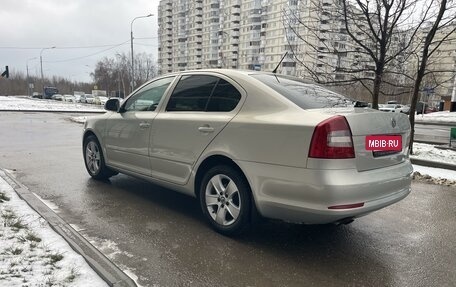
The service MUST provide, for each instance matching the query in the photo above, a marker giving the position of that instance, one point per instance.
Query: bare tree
(17, 84)
(444, 23)
(355, 41)
(113, 74)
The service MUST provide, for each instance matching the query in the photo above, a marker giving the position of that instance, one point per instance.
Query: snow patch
(434, 175)
(31, 253)
(437, 117)
(29, 104)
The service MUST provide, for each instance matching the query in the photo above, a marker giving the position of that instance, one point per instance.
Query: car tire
(94, 159)
(225, 199)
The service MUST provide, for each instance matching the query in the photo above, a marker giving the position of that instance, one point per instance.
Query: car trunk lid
(367, 123)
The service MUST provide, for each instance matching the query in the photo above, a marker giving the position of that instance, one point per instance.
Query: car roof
(227, 72)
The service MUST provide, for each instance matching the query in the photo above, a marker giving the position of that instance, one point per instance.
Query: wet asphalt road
(161, 236)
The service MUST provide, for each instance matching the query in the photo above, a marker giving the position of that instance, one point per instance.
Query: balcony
(235, 34)
(236, 19)
(234, 41)
(236, 11)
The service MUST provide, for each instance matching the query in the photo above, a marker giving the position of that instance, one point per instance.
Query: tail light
(332, 139)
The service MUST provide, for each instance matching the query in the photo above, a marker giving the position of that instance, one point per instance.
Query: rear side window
(305, 95)
(203, 93)
(224, 98)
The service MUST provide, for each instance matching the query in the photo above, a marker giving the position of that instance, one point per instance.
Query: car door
(127, 135)
(199, 107)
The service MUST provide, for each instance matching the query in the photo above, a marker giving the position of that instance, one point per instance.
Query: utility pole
(132, 85)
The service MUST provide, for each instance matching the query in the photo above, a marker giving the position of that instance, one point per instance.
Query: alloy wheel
(223, 200)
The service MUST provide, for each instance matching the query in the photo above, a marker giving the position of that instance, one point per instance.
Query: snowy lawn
(434, 175)
(431, 153)
(31, 253)
(437, 117)
(29, 104)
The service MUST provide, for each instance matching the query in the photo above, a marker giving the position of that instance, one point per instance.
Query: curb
(433, 164)
(107, 270)
(450, 124)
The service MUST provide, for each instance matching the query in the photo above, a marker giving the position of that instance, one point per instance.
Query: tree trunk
(376, 90)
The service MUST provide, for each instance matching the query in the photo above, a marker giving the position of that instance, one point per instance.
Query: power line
(63, 47)
(86, 56)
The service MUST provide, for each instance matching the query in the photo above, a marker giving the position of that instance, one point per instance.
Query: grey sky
(29, 25)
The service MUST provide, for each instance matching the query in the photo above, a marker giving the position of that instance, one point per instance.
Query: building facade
(223, 34)
(256, 34)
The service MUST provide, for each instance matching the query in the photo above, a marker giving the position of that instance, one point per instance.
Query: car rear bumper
(305, 195)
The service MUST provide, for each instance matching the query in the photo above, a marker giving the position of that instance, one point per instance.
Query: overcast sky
(30, 25)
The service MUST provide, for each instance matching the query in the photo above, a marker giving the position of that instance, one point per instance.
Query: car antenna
(281, 60)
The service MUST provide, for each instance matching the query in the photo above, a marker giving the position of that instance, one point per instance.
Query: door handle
(206, 129)
(144, 125)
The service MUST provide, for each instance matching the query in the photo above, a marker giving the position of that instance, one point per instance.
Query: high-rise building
(223, 34)
(256, 34)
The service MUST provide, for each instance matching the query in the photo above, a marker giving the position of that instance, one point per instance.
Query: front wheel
(225, 200)
(94, 160)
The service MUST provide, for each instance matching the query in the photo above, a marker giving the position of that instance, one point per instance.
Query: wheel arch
(88, 133)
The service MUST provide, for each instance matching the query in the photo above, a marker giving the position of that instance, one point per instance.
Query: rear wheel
(225, 200)
(94, 160)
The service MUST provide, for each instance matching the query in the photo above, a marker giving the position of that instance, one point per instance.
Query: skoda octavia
(247, 143)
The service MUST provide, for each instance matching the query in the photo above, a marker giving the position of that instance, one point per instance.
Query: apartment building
(256, 34)
(223, 34)
(442, 69)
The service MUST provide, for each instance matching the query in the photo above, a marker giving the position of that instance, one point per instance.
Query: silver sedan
(248, 143)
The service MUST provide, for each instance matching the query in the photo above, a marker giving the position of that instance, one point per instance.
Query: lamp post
(29, 88)
(41, 62)
(132, 56)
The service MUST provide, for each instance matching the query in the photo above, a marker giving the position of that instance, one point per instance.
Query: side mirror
(112, 105)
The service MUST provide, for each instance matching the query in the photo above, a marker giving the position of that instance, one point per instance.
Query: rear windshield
(305, 95)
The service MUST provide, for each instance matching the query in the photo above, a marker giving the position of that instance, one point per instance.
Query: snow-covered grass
(31, 253)
(437, 117)
(431, 153)
(434, 175)
(18, 103)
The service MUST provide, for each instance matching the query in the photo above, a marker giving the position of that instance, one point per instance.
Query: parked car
(249, 144)
(423, 107)
(87, 98)
(389, 108)
(404, 109)
(37, 95)
(69, 98)
(100, 100)
(77, 98)
(57, 97)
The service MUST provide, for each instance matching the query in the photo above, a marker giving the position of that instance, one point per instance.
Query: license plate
(380, 143)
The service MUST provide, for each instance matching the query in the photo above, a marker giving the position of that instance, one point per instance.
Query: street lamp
(132, 57)
(29, 88)
(41, 62)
